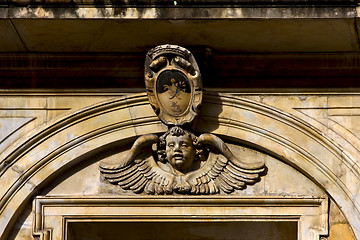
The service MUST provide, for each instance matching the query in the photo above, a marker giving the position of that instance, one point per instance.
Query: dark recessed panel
(183, 231)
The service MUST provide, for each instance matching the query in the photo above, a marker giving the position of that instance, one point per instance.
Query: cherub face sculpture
(179, 152)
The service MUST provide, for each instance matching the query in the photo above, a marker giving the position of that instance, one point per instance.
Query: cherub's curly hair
(200, 150)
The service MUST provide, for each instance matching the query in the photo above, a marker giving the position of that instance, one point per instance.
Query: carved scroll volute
(173, 84)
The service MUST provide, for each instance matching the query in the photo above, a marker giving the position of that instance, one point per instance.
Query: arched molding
(49, 150)
(296, 142)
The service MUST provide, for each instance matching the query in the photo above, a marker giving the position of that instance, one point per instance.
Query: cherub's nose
(177, 148)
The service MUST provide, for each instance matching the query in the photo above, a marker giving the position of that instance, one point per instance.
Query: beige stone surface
(85, 180)
(309, 142)
(339, 228)
(340, 231)
(20, 114)
(309, 212)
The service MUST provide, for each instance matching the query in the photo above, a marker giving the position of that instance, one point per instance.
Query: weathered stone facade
(55, 143)
(280, 84)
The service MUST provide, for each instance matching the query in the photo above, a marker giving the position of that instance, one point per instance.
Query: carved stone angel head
(180, 149)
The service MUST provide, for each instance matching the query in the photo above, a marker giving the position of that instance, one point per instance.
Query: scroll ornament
(178, 161)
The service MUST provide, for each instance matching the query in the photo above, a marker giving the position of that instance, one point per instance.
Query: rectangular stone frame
(53, 214)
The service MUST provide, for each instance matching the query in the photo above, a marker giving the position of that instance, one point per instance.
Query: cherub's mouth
(178, 156)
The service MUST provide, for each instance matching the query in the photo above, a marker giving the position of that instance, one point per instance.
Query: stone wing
(221, 173)
(138, 171)
(141, 175)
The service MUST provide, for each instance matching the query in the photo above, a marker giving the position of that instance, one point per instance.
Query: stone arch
(43, 154)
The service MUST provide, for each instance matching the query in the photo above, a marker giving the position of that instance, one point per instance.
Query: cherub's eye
(185, 145)
(170, 145)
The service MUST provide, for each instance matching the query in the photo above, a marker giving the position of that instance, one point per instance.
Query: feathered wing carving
(222, 171)
(138, 171)
(141, 175)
